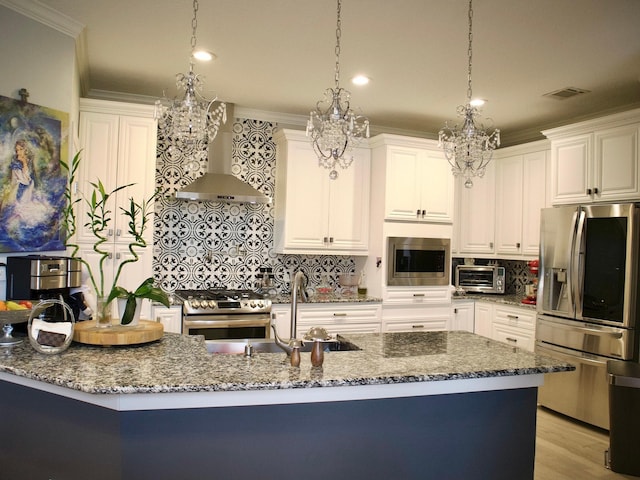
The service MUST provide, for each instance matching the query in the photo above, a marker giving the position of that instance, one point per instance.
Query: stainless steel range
(221, 314)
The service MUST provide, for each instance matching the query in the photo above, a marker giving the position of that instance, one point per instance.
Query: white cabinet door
(281, 317)
(302, 198)
(403, 196)
(534, 199)
(170, 318)
(477, 213)
(616, 172)
(483, 317)
(437, 188)
(509, 185)
(348, 222)
(314, 214)
(137, 138)
(133, 274)
(571, 174)
(462, 315)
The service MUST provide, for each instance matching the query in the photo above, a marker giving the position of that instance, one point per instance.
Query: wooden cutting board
(145, 331)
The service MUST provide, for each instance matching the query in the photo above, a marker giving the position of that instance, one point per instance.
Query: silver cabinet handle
(417, 326)
(330, 239)
(110, 255)
(595, 191)
(118, 256)
(417, 212)
(110, 232)
(339, 314)
(118, 232)
(518, 245)
(418, 294)
(511, 339)
(512, 317)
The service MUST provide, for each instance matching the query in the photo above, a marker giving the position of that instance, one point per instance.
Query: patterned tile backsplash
(200, 244)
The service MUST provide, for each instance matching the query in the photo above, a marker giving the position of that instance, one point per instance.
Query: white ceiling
(278, 55)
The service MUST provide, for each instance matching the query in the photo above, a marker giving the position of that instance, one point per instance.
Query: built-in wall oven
(587, 302)
(220, 314)
(415, 261)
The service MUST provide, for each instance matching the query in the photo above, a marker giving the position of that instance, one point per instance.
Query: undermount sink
(269, 346)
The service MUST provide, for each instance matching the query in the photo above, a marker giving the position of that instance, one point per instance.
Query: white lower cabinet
(483, 318)
(409, 318)
(515, 325)
(170, 318)
(462, 315)
(334, 317)
(505, 323)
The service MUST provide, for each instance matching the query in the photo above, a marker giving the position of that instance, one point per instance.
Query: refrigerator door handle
(576, 276)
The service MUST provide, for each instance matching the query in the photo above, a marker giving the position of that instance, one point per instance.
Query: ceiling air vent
(565, 93)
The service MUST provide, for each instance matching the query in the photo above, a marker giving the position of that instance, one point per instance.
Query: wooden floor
(570, 450)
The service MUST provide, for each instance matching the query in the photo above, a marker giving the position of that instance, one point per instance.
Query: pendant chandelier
(190, 123)
(468, 148)
(333, 126)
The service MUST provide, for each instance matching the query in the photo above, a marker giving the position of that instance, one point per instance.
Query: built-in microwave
(480, 278)
(418, 261)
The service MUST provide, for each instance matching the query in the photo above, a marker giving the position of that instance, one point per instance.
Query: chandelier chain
(194, 26)
(337, 50)
(470, 50)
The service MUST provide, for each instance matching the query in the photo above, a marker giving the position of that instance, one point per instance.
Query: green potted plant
(98, 221)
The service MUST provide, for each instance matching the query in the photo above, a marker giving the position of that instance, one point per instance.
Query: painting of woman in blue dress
(32, 140)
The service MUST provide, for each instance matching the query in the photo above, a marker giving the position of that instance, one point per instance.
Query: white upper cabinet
(596, 160)
(476, 221)
(118, 144)
(314, 214)
(419, 186)
(520, 194)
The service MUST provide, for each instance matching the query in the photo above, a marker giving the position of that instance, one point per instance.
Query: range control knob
(195, 303)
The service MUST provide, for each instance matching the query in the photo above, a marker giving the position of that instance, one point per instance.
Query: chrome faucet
(298, 290)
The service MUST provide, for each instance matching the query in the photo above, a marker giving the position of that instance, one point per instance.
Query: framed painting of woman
(33, 140)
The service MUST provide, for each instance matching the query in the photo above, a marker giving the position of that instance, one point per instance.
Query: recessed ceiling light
(203, 55)
(360, 80)
(477, 102)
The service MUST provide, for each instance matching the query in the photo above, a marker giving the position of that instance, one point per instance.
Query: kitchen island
(423, 405)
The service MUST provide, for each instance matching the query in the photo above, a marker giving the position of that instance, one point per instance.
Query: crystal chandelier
(333, 126)
(189, 124)
(468, 148)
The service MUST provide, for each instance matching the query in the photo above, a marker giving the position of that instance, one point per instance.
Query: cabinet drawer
(425, 295)
(338, 314)
(436, 324)
(515, 317)
(518, 337)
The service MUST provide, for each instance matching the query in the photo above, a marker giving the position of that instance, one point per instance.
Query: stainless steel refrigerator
(587, 295)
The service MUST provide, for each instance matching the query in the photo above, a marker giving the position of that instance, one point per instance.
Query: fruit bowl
(14, 316)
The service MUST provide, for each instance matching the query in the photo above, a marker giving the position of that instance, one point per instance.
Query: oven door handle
(227, 322)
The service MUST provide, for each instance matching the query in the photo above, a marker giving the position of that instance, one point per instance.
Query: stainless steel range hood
(218, 184)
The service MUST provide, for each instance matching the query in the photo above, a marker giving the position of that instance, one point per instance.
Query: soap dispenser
(362, 285)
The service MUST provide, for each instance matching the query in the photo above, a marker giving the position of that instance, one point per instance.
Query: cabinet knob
(588, 191)
(595, 191)
(330, 239)
(490, 244)
(110, 255)
(110, 232)
(424, 212)
(118, 232)
(418, 213)
(518, 245)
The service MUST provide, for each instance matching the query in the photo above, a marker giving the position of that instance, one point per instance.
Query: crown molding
(46, 15)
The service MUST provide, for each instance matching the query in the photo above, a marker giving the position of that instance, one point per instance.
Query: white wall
(42, 60)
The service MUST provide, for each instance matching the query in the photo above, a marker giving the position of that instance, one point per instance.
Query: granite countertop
(504, 299)
(178, 363)
(328, 298)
